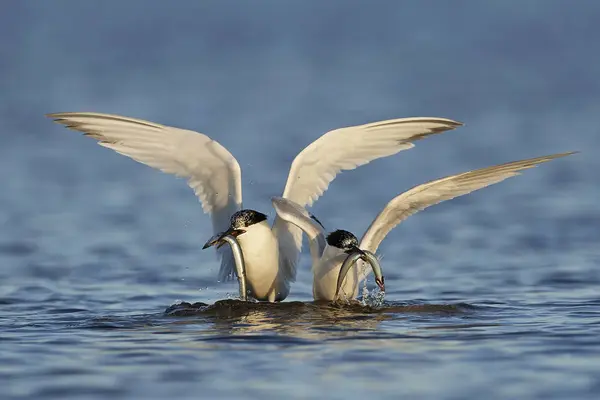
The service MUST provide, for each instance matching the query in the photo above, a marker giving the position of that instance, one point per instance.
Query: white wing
(344, 149)
(434, 192)
(294, 213)
(211, 171)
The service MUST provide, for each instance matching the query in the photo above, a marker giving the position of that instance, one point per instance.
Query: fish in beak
(354, 255)
(219, 240)
(230, 237)
(376, 267)
(355, 249)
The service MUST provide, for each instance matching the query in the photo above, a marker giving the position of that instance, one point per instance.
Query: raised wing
(211, 171)
(297, 215)
(344, 149)
(434, 192)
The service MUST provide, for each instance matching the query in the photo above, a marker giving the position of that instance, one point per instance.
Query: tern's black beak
(355, 249)
(218, 238)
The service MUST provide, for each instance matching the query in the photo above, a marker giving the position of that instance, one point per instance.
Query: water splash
(373, 298)
(232, 296)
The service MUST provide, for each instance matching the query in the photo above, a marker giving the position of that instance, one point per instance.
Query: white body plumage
(325, 276)
(261, 256)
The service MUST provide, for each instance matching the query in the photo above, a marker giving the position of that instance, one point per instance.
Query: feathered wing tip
(429, 125)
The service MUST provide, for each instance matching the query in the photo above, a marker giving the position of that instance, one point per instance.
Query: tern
(334, 254)
(270, 253)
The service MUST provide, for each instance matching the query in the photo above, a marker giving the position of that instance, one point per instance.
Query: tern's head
(245, 218)
(343, 240)
(239, 220)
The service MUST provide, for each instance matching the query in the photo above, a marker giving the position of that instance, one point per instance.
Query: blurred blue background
(88, 228)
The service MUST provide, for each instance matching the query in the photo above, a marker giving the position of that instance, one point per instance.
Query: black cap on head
(342, 240)
(245, 218)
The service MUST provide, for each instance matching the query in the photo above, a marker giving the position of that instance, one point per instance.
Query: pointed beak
(355, 249)
(218, 238)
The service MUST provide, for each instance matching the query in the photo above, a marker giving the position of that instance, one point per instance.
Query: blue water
(493, 295)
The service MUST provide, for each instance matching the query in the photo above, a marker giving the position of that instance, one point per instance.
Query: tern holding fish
(334, 255)
(268, 254)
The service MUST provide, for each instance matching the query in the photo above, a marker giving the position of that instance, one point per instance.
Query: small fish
(220, 239)
(349, 262)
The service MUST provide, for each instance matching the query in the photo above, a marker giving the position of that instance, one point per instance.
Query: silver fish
(349, 262)
(240, 265)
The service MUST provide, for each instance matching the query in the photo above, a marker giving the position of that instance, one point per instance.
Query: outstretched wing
(211, 171)
(344, 149)
(434, 192)
(297, 215)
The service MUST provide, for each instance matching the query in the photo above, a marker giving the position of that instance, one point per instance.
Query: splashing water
(373, 298)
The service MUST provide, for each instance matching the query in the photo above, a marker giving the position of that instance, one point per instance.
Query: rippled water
(104, 288)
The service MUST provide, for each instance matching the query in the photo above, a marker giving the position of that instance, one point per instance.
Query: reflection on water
(298, 319)
(306, 320)
(309, 311)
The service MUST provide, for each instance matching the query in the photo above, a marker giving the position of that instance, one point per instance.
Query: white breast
(261, 255)
(325, 275)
